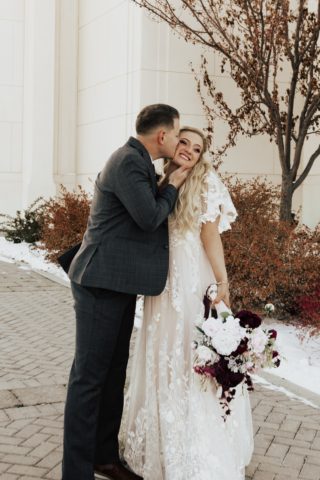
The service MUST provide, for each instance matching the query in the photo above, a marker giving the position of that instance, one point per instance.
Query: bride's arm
(212, 243)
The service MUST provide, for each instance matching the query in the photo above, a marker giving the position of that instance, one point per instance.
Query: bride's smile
(188, 150)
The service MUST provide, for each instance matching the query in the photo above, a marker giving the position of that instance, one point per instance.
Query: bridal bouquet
(232, 347)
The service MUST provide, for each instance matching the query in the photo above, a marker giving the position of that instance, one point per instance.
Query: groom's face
(171, 139)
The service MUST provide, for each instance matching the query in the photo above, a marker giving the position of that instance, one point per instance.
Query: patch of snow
(304, 362)
(303, 358)
(4, 259)
(34, 259)
(270, 386)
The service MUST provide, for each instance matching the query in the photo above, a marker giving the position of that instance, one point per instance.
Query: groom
(124, 252)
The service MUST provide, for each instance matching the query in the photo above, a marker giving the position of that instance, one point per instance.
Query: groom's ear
(161, 136)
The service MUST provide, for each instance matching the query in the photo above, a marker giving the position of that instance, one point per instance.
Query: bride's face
(188, 150)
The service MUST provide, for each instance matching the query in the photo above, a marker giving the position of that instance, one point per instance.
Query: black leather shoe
(115, 471)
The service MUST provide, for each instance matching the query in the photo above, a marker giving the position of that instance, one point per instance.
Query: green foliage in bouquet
(26, 227)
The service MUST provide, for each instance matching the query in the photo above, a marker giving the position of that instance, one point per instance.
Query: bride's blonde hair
(186, 209)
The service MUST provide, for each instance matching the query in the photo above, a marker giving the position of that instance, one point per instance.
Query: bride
(173, 429)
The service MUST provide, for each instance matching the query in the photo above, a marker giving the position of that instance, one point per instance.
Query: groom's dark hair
(154, 116)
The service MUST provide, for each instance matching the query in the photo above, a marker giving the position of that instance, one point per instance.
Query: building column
(39, 100)
(66, 74)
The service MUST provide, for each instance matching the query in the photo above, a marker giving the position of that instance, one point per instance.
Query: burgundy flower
(243, 347)
(277, 362)
(275, 354)
(248, 319)
(228, 379)
(273, 334)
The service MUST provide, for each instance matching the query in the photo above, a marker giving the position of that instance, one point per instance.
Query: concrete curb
(291, 387)
(52, 277)
(47, 275)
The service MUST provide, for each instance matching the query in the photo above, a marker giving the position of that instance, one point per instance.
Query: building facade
(74, 75)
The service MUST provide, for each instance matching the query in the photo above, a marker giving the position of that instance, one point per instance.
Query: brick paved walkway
(36, 350)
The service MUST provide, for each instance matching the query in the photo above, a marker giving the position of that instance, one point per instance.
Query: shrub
(64, 222)
(308, 309)
(268, 261)
(26, 227)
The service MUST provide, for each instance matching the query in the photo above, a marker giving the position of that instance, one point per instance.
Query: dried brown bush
(268, 261)
(64, 222)
(308, 309)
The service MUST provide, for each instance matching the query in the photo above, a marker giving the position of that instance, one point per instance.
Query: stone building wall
(74, 75)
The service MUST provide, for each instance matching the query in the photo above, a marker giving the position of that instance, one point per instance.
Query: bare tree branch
(307, 169)
(254, 37)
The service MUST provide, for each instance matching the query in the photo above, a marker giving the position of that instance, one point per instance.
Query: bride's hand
(223, 294)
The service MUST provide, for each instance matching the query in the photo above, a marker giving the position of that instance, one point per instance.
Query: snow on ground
(34, 259)
(302, 367)
(303, 358)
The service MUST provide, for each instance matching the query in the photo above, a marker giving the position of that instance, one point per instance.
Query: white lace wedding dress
(171, 429)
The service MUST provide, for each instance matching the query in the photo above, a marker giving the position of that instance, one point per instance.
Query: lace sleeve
(215, 201)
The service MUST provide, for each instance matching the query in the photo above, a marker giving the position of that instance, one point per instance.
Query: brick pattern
(36, 350)
(31, 446)
(287, 434)
(37, 330)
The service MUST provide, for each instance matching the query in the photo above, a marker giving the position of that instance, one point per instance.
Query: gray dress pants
(104, 322)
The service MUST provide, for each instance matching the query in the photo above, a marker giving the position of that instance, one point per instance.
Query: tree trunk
(286, 199)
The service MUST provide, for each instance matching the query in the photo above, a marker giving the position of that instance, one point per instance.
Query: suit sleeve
(133, 188)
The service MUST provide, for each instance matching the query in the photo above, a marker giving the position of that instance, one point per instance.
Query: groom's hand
(178, 177)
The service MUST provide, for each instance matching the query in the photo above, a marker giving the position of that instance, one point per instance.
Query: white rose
(204, 353)
(211, 326)
(232, 319)
(233, 327)
(259, 340)
(225, 343)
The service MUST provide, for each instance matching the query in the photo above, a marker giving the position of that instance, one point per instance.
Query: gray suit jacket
(126, 245)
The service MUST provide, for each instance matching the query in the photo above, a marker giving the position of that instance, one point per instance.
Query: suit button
(166, 247)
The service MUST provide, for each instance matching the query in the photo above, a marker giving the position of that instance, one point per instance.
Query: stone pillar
(66, 80)
(39, 100)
